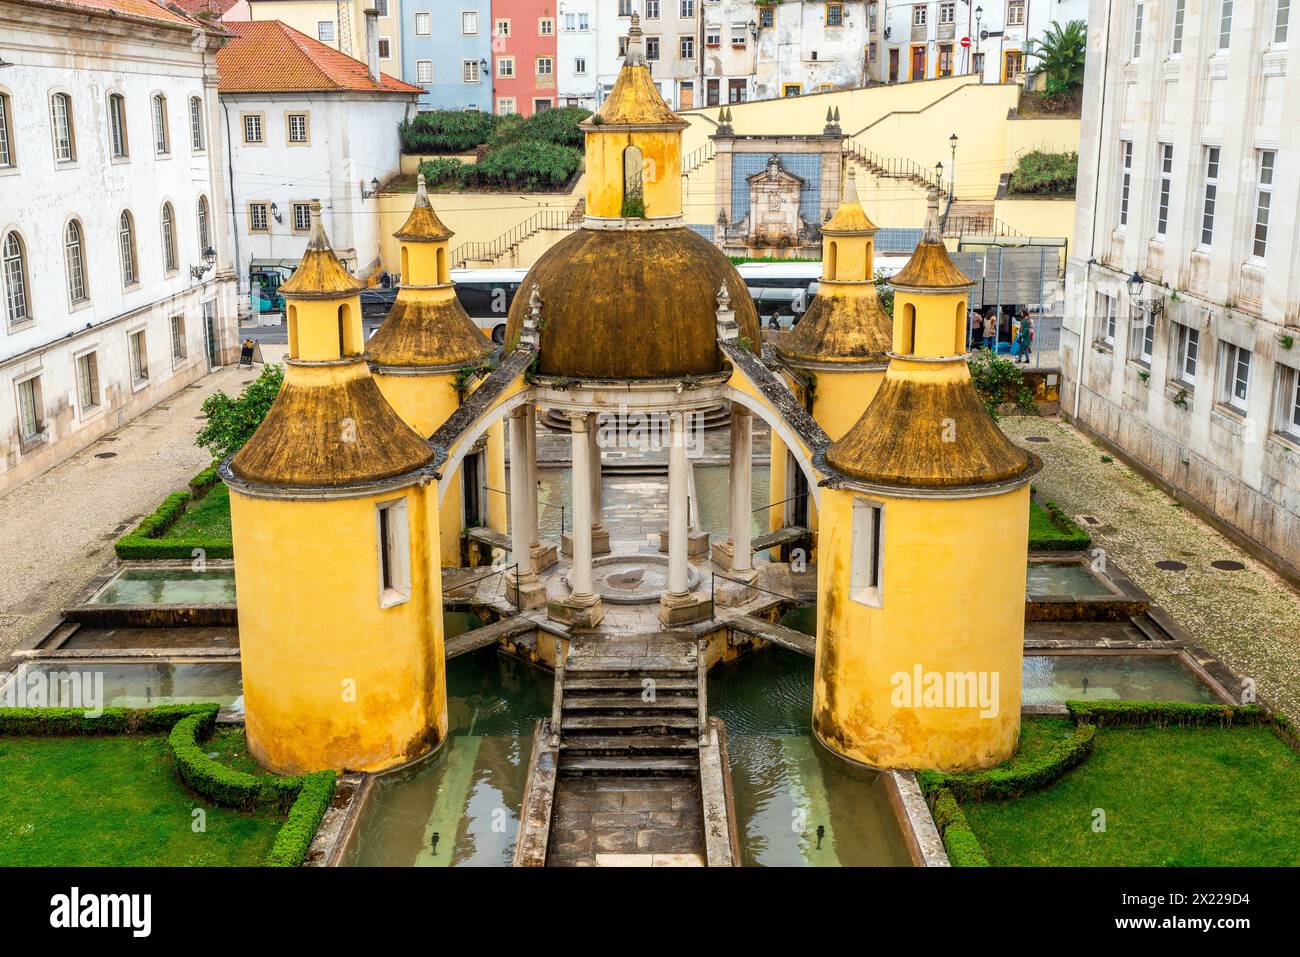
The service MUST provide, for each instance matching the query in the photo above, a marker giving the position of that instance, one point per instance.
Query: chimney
(372, 43)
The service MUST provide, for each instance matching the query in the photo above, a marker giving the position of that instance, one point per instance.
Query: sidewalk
(1250, 617)
(59, 528)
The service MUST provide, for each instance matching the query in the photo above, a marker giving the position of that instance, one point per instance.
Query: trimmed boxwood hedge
(73, 721)
(959, 840)
(1011, 781)
(299, 830)
(1162, 714)
(145, 541)
(1067, 537)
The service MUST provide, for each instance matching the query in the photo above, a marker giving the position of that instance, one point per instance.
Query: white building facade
(577, 45)
(1189, 125)
(810, 47)
(918, 41)
(116, 286)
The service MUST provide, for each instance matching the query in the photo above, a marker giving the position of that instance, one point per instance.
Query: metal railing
(492, 250)
(895, 167)
(697, 158)
(977, 225)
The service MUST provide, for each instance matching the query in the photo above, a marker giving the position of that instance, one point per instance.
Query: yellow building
(837, 353)
(340, 24)
(422, 356)
(923, 552)
(332, 506)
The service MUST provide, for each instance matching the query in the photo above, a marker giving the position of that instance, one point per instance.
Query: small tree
(884, 292)
(1061, 54)
(232, 422)
(998, 380)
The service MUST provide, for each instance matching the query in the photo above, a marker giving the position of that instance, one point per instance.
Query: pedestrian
(1024, 338)
(990, 330)
(976, 330)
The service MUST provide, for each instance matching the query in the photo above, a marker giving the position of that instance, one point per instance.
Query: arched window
(196, 124)
(161, 141)
(205, 234)
(169, 238)
(15, 281)
(8, 157)
(962, 320)
(905, 331)
(441, 259)
(61, 127)
(633, 183)
(117, 126)
(74, 260)
(832, 255)
(126, 249)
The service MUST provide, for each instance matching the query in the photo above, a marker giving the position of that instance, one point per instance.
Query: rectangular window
(385, 49)
(469, 23)
(944, 63)
(1125, 181)
(866, 564)
(766, 16)
(423, 24)
(31, 413)
(302, 217)
(1142, 337)
(687, 9)
(1138, 13)
(686, 48)
(791, 89)
(252, 127)
(61, 124)
(624, 8)
(546, 27)
(1236, 376)
(505, 67)
(502, 28)
(652, 9)
(139, 350)
(622, 48)
(947, 12)
(1109, 311)
(1281, 22)
(652, 48)
(257, 218)
(739, 34)
(196, 124)
(161, 139)
(545, 66)
(88, 381)
(1211, 194)
(1016, 13)
(712, 36)
(1225, 24)
(469, 71)
(1288, 406)
(423, 71)
(737, 91)
(325, 31)
(381, 7)
(297, 123)
(393, 545)
(1166, 184)
(584, 22)
(505, 106)
(580, 65)
(178, 338)
(918, 16)
(835, 14)
(1263, 202)
(1180, 14)
(1187, 347)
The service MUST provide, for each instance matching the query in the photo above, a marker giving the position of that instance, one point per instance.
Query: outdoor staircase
(631, 717)
(891, 167)
(487, 253)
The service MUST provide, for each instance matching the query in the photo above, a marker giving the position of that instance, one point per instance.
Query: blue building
(447, 49)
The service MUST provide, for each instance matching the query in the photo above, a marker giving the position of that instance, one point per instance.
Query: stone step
(630, 766)
(609, 724)
(630, 704)
(634, 683)
(655, 667)
(599, 745)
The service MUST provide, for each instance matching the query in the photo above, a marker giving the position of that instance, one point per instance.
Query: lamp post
(1135, 285)
(979, 15)
(938, 175)
(369, 193)
(952, 172)
(209, 257)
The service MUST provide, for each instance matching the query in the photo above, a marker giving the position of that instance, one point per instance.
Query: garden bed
(185, 521)
(1051, 530)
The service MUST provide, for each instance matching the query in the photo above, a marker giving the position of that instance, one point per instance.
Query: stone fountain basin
(615, 578)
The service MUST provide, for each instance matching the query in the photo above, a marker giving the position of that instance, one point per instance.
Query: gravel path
(1250, 618)
(59, 528)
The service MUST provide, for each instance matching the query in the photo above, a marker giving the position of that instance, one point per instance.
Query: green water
(1064, 580)
(787, 785)
(169, 586)
(145, 684)
(470, 792)
(1055, 679)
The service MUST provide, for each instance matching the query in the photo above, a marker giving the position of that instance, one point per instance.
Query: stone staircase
(631, 717)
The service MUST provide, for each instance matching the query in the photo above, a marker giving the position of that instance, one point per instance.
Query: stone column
(599, 533)
(544, 556)
(736, 554)
(582, 608)
(523, 586)
(678, 605)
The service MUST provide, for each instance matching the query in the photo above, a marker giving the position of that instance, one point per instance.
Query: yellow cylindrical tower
(419, 356)
(333, 515)
(634, 162)
(839, 349)
(923, 552)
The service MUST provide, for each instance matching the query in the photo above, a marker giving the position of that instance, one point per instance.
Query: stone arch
(793, 443)
(450, 468)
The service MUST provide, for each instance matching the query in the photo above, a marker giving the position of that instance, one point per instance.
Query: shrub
(220, 783)
(297, 833)
(202, 483)
(443, 172)
(446, 131)
(528, 165)
(232, 421)
(70, 721)
(145, 542)
(1045, 174)
(959, 840)
(998, 380)
(557, 126)
(1012, 780)
(1162, 714)
(1051, 530)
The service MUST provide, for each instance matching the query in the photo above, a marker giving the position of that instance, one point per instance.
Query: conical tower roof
(850, 218)
(635, 100)
(931, 268)
(423, 225)
(320, 275)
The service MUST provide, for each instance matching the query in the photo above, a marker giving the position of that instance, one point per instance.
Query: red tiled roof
(122, 9)
(267, 56)
(215, 8)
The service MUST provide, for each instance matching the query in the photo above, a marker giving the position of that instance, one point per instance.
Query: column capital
(578, 421)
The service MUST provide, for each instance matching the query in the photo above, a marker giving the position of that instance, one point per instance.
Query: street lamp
(938, 175)
(952, 175)
(1135, 285)
(209, 258)
(374, 188)
(979, 15)
(753, 30)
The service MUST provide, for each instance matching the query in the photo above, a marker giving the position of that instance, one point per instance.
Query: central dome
(632, 304)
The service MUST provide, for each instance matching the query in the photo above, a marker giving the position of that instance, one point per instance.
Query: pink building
(523, 56)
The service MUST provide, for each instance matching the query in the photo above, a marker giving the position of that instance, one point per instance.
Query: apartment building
(339, 24)
(116, 285)
(1182, 334)
(524, 68)
(447, 51)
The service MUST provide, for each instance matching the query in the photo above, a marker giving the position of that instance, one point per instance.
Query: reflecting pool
(1065, 580)
(169, 586)
(1055, 679)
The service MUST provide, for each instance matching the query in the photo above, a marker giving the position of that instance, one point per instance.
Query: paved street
(59, 528)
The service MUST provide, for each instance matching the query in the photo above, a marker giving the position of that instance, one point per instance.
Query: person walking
(1024, 338)
(976, 330)
(990, 330)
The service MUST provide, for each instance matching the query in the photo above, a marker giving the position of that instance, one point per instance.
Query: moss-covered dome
(632, 304)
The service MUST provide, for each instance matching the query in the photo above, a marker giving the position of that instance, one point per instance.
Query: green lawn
(115, 800)
(1171, 796)
(209, 518)
(1046, 534)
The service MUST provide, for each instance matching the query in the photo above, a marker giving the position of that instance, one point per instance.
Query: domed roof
(422, 332)
(844, 323)
(632, 304)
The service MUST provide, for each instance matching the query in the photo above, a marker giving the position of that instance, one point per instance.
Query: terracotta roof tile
(267, 56)
(215, 8)
(122, 9)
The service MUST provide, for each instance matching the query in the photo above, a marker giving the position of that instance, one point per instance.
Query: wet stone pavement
(646, 817)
